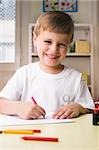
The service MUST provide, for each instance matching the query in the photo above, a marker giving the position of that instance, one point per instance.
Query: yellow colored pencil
(17, 131)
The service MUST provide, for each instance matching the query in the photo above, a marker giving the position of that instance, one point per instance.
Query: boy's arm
(24, 110)
(8, 107)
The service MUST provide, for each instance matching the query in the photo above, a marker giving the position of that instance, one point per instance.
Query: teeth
(51, 56)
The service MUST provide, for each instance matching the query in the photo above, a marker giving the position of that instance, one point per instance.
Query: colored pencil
(32, 138)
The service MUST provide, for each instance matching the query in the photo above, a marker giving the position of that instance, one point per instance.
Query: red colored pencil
(32, 138)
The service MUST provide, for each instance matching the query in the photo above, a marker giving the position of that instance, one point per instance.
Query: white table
(78, 135)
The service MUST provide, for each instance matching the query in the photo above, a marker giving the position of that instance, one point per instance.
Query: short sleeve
(83, 96)
(13, 88)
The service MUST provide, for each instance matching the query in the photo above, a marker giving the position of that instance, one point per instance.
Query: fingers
(29, 111)
(62, 114)
(67, 111)
(34, 114)
(38, 111)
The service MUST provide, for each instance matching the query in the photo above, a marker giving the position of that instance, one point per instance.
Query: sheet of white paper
(13, 120)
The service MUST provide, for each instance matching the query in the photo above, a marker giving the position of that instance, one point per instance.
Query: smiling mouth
(51, 56)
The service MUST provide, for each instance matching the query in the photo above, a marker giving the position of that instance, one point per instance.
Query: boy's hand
(69, 111)
(29, 111)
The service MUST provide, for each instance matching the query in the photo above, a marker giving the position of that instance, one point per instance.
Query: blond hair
(54, 21)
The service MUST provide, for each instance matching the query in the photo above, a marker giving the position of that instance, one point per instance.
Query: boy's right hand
(29, 110)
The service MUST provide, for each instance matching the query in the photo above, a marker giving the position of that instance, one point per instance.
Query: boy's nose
(54, 48)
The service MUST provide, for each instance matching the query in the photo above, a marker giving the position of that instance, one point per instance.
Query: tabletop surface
(78, 135)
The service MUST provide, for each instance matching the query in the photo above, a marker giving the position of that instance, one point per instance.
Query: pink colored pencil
(34, 100)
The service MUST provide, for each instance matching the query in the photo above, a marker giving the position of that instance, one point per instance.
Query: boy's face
(52, 48)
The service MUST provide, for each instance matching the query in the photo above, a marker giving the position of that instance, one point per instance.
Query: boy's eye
(60, 45)
(63, 45)
(47, 42)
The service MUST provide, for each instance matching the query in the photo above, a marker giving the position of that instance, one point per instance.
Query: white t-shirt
(49, 90)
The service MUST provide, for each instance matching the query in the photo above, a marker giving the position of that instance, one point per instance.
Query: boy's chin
(51, 66)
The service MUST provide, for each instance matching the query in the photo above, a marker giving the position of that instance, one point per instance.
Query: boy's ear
(34, 42)
(34, 37)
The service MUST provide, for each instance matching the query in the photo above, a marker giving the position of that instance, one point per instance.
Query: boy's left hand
(69, 111)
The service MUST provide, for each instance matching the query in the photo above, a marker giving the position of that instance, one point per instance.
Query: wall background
(28, 12)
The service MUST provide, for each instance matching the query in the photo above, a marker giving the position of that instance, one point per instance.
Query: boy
(57, 89)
